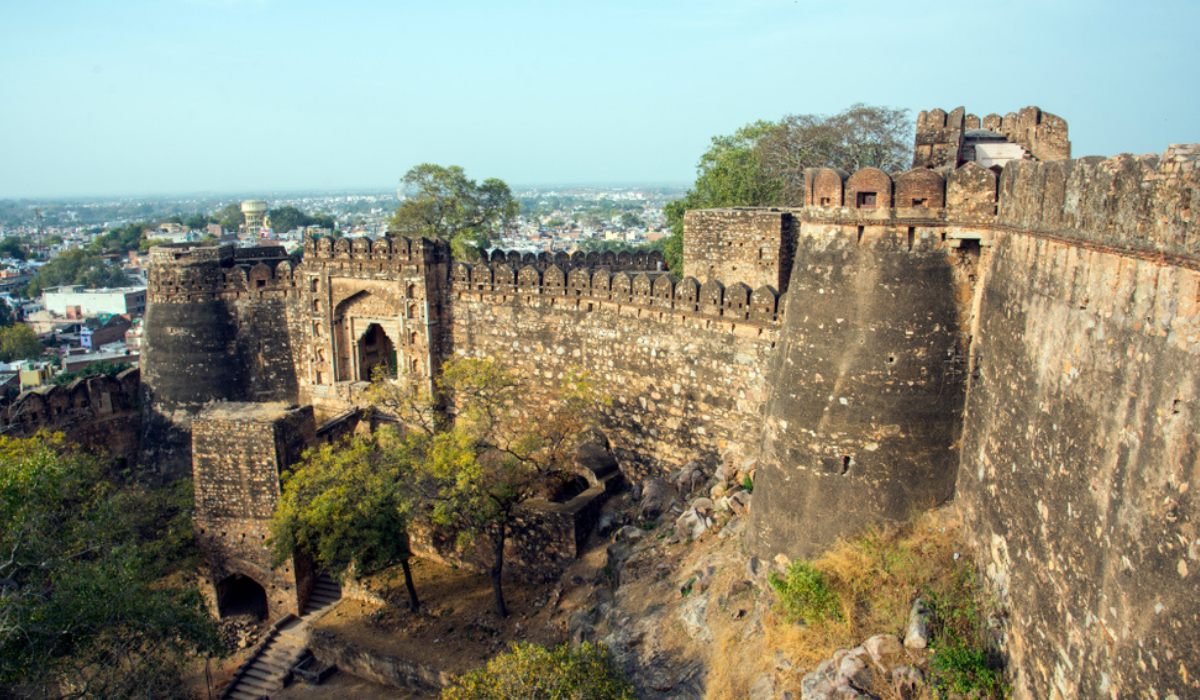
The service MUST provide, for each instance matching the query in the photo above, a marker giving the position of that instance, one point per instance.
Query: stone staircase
(270, 668)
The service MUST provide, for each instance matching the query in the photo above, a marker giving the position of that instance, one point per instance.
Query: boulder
(656, 498)
(916, 636)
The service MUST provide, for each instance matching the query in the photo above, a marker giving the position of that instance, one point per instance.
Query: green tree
(763, 163)
(84, 609)
(287, 218)
(77, 266)
(350, 504)
(118, 241)
(197, 221)
(500, 450)
(586, 672)
(6, 314)
(19, 342)
(444, 203)
(13, 247)
(230, 216)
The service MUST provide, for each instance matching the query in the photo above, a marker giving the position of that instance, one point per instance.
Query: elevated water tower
(255, 212)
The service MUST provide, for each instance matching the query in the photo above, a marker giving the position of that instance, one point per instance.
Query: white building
(77, 302)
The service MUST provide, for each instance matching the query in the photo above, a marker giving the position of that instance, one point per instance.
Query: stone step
(256, 687)
(243, 695)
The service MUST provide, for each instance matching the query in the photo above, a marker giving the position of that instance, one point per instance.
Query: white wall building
(77, 302)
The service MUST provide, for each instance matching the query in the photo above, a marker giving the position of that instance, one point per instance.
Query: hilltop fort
(999, 327)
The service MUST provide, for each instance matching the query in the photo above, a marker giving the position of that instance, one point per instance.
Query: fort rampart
(1021, 344)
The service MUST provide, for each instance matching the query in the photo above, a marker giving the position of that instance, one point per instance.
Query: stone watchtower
(948, 140)
(238, 452)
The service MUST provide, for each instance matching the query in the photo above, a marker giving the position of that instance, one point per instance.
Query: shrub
(963, 664)
(805, 594)
(532, 671)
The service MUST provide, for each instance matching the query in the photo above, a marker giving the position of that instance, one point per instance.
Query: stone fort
(1000, 327)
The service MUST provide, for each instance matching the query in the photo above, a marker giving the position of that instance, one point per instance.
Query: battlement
(736, 303)
(624, 260)
(389, 251)
(1147, 203)
(99, 412)
(947, 139)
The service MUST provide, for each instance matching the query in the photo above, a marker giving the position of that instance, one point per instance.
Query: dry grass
(875, 576)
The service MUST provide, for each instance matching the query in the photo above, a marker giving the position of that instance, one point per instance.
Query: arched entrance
(375, 349)
(241, 595)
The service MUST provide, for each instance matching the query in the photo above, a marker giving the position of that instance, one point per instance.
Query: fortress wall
(1081, 457)
(751, 245)
(685, 378)
(98, 413)
(215, 331)
(866, 386)
(239, 450)
(1139, 203)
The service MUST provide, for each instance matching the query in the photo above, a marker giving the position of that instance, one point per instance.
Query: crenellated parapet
(1148, 204)
(185, 273)
(99, 412)
(395, 252)
(947, 139)
(736, 303)
(623, 260)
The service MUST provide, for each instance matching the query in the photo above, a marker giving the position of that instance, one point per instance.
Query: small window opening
(826, 201)
(912, 234)
(860, 234)
(866, 200)
(1176, 407)
(891, 360)
(920, 201)
(260, 283)
(846, 461)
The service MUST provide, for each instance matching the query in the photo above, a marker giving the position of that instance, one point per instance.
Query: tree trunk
(497, 570)
(413, 603)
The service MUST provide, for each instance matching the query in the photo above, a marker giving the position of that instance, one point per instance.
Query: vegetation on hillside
(867, 586)
(84, 606)
(762, 164)
(585, 672)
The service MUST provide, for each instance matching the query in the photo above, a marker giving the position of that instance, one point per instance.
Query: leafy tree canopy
(288, 218)
(230, 216)
(83, 610)
(349, 504)
(77, 266)
(585, 672)
(762, 164)
(500, 449)
(19, 342)
(444, 203)
(13, 247)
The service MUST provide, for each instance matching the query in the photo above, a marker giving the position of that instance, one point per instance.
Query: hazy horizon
(151, 99)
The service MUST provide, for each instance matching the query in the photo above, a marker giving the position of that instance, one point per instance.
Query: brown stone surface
(238, 451)
(1034, 339)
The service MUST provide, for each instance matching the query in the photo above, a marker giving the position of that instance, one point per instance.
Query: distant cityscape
(81, 324)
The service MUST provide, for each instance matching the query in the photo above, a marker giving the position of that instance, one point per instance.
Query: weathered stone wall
(866, 387)
(238, 451)
(684, 369)
(102, 414)
(749, 245)
(1080, 447)
(1146, 204)
(220, 325)
(939, 135)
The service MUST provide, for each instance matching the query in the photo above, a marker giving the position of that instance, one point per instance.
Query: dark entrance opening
(375, 349)
(241, 595)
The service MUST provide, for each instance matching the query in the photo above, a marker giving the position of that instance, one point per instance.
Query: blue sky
(107, 97)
